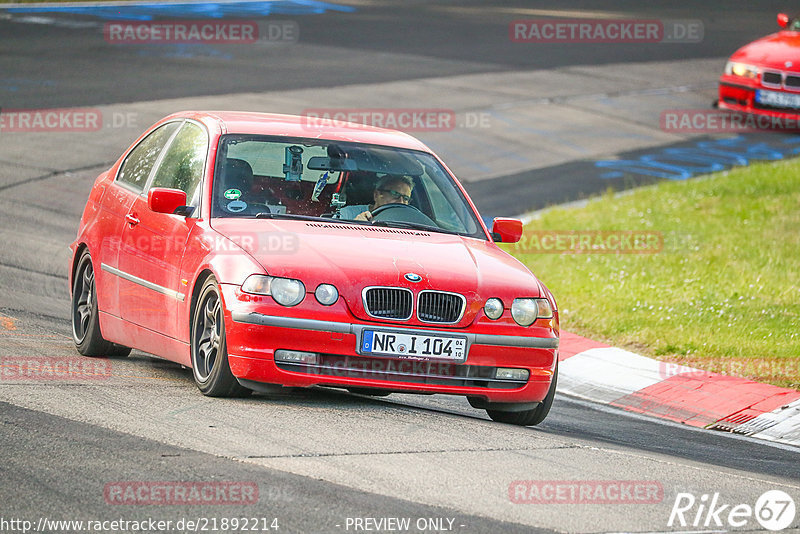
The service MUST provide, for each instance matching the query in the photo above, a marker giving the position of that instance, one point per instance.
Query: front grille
(771, 78)
(388, 302)
(440, 307)
(792, 81)
(406, 371)
(780, 79)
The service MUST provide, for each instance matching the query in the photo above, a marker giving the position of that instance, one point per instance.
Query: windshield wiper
(268, 215)
(415, 226)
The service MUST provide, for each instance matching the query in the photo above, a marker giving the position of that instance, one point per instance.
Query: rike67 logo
(774, 510)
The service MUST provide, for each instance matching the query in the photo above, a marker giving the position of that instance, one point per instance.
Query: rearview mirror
(165, 200)
(319, 163)
(505, 230)
(783, 20)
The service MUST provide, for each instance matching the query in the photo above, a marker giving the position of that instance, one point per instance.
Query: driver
(391, 189)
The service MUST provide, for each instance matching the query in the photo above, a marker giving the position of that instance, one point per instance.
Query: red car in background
(763, 77)
(221, 241)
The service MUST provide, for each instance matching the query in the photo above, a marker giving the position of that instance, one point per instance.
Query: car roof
(246, 122)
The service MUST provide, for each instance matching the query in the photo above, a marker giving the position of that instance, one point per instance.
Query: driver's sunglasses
(397, 195)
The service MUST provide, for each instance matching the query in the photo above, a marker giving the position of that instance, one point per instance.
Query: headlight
(326, 294)
(288, 292)
(493, 308)
(285, 291)
(741, 69)
(524, 311)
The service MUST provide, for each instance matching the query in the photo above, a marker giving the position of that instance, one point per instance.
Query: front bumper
(742, 98)
(254, 336)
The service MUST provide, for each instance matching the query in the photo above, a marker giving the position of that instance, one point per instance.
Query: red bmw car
(271, 250)
(763, 77)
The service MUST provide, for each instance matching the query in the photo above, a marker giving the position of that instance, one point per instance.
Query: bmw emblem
(413, 277)
(788, 64)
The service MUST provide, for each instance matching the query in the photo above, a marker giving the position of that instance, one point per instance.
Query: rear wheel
(85, 317)
(210, 367)
(528, 417)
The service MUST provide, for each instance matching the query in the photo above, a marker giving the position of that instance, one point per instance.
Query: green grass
(722, 295)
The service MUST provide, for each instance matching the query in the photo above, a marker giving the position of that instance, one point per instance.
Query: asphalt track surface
(50, 66)
(318, 456)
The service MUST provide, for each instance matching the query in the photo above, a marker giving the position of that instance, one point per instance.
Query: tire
(528, 417)
(86, 333)
(210, 367)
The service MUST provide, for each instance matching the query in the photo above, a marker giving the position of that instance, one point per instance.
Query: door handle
(132, 220)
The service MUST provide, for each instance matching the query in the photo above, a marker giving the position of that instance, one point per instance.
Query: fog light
(507, 373)
(296, 356)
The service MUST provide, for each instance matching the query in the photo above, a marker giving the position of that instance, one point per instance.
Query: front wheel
(528, 417)
(210, 367)
(85, 316)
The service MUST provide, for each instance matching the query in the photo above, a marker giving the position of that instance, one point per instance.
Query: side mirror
(505, 230)
(783, 20)
(164, 200)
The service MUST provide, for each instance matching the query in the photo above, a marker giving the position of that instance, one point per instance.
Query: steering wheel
(401, 213)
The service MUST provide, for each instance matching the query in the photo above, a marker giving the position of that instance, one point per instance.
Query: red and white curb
(609, 375)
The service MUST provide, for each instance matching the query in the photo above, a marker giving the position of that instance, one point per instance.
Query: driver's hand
(364, 216)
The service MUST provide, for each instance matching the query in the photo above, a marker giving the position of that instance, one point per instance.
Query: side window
(183, 162)
(137, 166)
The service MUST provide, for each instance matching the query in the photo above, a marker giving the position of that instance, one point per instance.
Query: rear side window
(137, 166)
(183, 162)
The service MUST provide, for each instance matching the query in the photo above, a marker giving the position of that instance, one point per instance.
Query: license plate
(413, 346)
(775, 98)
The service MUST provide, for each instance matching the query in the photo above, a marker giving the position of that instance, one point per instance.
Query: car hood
(772, 51)
(353, 257)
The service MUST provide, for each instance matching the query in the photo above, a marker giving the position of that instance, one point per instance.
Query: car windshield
(268, 177)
